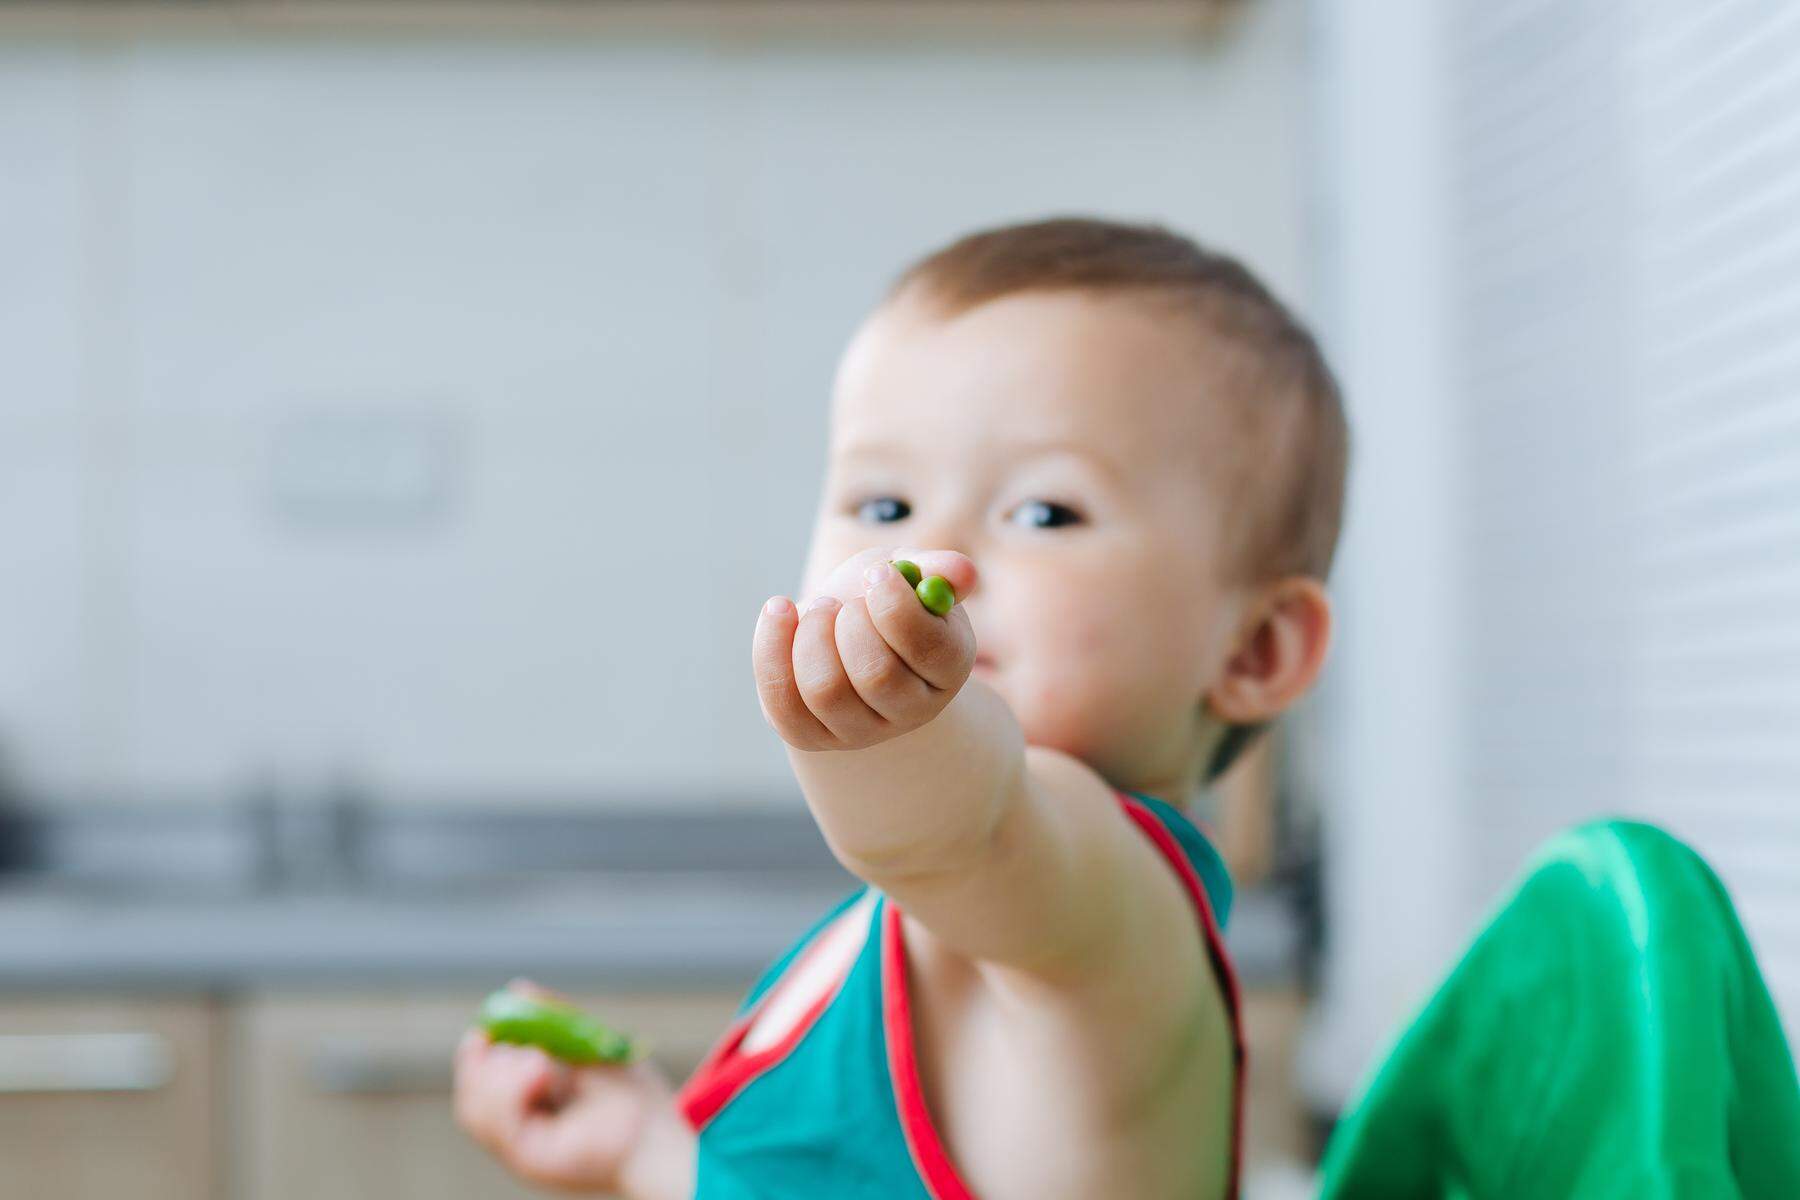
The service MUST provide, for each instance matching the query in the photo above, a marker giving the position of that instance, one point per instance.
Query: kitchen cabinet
(348, 1097)
(110, 1098)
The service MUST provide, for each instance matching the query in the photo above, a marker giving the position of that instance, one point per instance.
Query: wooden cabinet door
(348, 1098)
(109, 1098)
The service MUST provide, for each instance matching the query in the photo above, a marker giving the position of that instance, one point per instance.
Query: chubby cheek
(1104, 685)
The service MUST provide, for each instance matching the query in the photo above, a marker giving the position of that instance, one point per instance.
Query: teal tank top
(828, 1103)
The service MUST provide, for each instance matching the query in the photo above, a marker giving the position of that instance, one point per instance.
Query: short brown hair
(1286, 382)
(1295, 529)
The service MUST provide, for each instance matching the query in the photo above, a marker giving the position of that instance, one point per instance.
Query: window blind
(1626, 231)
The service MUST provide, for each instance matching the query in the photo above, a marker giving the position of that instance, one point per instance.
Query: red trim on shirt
(930, 1160)
(725, 1071)
(1215, 947)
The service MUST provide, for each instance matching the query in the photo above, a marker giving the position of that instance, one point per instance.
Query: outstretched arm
(921, 782)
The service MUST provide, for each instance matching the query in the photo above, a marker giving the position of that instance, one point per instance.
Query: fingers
(865, 660)
(552, 1124)
(772, 656)
(845, 581)
(589, 1145)
(823, 683)
(499, 1087)
(535, 991)
(940, 651)
(556, 1154)
(959, 569)
(806, 694)
(881, 679)
(513, 1101)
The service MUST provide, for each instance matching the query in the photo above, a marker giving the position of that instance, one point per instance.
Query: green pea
(560, 1030)
(909, 571)
(936, 595)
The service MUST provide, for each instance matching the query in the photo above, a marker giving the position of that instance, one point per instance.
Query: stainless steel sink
(126, 896)
(348, 845)
(160, 895)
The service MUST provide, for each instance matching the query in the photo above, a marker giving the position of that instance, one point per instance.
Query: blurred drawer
(105, 1098)
(348, 1098)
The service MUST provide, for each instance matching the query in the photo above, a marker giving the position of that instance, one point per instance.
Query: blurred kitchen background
(405, 406)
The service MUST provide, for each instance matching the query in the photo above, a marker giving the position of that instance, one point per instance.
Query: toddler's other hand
(865, 661)
(575, 1128)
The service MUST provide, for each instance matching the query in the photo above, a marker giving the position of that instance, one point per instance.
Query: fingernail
(778, 606)
(821, 603)
(875, 574)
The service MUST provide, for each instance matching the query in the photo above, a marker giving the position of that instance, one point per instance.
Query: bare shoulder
(1111, 1065)
(1142, 984)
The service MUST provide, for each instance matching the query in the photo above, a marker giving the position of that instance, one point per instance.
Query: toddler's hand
(575, 1128)
(865, 662)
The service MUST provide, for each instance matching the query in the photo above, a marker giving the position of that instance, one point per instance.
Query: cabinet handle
(84, 1062)
(354, 1067)
(349, 1067)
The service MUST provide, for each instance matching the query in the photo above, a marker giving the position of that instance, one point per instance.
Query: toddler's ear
(1279, 654)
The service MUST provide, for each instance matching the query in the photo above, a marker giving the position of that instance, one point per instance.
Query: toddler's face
(1065, 442)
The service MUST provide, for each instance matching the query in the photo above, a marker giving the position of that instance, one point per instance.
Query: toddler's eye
(1044, 514)
(884, 509)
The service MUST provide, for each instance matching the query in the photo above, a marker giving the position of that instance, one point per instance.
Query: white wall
(1561, 287)
(1391, 722)
(444, 409)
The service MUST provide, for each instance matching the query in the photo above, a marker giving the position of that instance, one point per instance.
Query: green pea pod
(559, 1030)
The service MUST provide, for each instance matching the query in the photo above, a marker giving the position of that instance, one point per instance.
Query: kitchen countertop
(618, 932)
(358, 896)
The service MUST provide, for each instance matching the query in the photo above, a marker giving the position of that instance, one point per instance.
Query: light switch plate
(344, 467)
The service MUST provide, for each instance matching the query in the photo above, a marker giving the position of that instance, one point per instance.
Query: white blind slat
(1627, 251)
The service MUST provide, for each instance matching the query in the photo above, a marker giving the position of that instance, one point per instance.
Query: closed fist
(865, 661)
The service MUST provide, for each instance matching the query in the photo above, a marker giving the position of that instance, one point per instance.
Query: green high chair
(1607, 1036)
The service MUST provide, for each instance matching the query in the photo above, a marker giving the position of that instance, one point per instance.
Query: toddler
(1127, 458)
